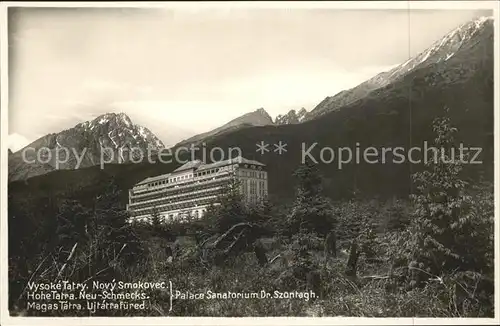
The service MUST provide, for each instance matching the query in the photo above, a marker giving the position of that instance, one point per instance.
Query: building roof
(189, 165)
(151, 179)
(238, 159)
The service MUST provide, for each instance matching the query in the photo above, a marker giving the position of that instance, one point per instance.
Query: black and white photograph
(283, 159)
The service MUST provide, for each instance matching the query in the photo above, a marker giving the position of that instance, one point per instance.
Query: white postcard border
(373, 5)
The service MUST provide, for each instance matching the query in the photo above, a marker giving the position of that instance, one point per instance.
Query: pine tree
(311, 211)
(156, 221)
(441, 222)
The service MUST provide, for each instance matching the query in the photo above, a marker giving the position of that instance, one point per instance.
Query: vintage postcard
(277, 162)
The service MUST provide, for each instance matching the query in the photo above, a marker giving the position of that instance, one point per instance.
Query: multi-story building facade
(191, 188)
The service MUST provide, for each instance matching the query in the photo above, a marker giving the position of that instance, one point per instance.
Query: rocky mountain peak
(292, 117)
(264, 113)
(110, 131)
(112, 119)
(259, 117)
(440, 51)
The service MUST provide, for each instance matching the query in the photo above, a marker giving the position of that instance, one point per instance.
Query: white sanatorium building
(191, 188)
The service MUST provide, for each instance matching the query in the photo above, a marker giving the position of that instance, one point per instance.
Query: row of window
(262, 190)
(167, 207)
(187, 215)
(176, 191)
(141, 193)
(253, 174)
(181, 177)
(253, 167)
(195, 191)
(250, 187)
(253, 187)
(189, 176)
(178, 199)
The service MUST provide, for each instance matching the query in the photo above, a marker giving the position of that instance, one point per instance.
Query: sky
(181, 72)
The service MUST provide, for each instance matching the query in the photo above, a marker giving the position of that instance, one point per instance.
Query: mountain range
(455, 42)
(116, 131)
(85, 143)
(259, 117)
(394, 108)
